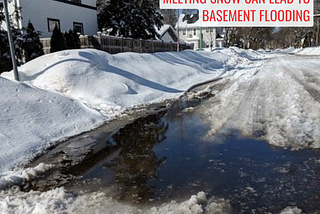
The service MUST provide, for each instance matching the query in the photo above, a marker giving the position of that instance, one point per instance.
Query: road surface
(277, 102)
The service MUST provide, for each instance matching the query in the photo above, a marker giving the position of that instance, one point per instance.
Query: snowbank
(61, 201)
(32, 119)
(111, 83)
(290, 50)
(309, 51)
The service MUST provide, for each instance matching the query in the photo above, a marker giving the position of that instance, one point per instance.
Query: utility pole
(201, 35)
(13, 55)
(317, 28)
(178, 31)
(201, 38)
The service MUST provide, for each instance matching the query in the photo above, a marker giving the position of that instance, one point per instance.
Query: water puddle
(166, 156)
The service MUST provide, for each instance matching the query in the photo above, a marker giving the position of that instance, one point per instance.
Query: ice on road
(278, 103)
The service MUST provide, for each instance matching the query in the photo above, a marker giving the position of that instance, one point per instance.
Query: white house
(189, 29)
(80, 15)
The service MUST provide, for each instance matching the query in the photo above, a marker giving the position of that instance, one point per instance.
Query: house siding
(38, 12)
(189, 30)
(209, 38)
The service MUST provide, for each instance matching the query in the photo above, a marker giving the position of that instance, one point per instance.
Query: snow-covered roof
(166, 28)
(163, 29)
(188, 21)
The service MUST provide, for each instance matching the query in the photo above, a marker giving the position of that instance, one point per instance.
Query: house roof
(167, 28)
(191, 19)
(163, 29)
(188, 21)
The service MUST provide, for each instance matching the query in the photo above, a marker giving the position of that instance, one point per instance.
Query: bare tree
(248, 37)
(170, 17)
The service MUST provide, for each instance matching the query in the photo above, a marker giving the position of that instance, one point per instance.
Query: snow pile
(20, 177)
(290, 50)
(32, 119)
(33, 202)
(291, 210)
(309, 51)
(60, 201)
(245, 54)
(195, 205)
(111, 83)
(278, 103)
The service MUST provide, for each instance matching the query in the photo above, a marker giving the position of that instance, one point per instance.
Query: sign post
(10, 38)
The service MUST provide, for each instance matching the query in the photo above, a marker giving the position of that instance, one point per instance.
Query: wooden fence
(115, 45)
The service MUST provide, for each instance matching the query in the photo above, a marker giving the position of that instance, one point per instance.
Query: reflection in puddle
(137, 163)
(166, 156)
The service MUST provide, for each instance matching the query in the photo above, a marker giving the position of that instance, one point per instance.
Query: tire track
(272, 104)
(308, 80)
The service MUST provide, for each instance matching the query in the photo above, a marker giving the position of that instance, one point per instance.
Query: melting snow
(69, 92)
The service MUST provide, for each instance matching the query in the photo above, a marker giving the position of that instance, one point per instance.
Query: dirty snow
(20, 177)
(61, 201)
(279, 103)
(291, 210)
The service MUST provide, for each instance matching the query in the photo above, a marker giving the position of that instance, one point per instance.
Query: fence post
(99, 40)
(122, 44)
(162, 46)
(152, 46)
(109, 44)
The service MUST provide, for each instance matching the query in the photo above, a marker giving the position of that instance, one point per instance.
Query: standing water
(167, 156)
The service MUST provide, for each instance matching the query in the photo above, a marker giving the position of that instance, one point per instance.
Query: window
(207, 30)
(184, 32)
(195, 32)
(52, 23)
(78, 27)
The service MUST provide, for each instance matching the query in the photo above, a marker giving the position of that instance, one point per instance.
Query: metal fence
(115, 45)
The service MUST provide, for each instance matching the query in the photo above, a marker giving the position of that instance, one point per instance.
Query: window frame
(76, 1)
(79, 24)
(53, 20)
